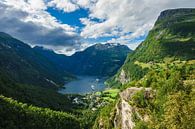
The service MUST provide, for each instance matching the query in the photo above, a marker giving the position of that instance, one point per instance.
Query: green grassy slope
(38, 96)
(22, 64)
(173, 37)
(172, 102)
(30, 78)
(17, 115)
(165, 63)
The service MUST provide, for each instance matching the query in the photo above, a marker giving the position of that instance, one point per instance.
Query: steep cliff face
(172, 37)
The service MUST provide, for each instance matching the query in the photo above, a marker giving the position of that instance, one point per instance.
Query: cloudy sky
(67, 26)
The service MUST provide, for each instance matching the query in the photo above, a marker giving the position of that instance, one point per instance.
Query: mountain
(20, 63)
(29, 75)
(97, 60)
(28, 83)
(60, 60)
(157, 80)
(172, 38)
(39, 66)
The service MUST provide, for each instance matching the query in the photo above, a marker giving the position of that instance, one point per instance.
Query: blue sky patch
(71, 18)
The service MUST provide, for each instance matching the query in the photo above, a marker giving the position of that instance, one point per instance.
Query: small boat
(97, 80)
(92, 87)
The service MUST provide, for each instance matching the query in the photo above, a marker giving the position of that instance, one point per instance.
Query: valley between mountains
(152, 87)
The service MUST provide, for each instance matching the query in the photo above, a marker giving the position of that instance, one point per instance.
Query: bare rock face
(122, 77)
(117, 119)
(124, 111)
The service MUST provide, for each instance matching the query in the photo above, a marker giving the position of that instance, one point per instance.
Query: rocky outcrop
(124, 111)
(122, 77)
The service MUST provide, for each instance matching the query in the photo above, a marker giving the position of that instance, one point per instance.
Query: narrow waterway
(83, 85)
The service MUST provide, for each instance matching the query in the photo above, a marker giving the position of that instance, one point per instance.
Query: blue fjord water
(83, 85)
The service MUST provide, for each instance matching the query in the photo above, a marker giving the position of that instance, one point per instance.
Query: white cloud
(28, 21)
(132, 44)
(36, 13)
(69, 50)
(125, 19)
(71, 5)
(120, 17)
(85, 3)
(65, 5)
